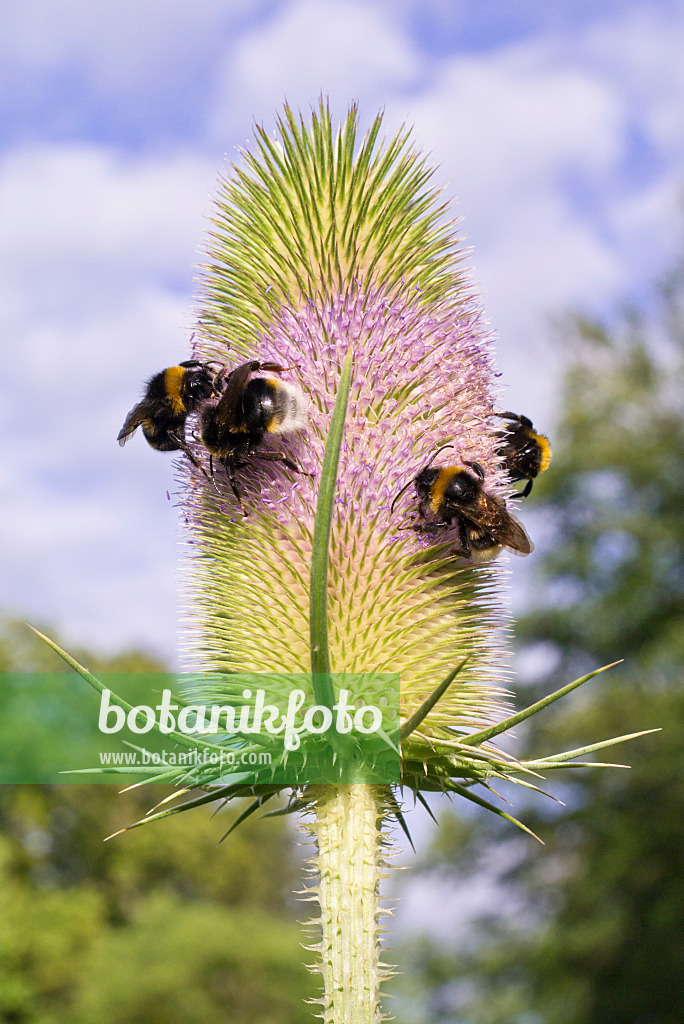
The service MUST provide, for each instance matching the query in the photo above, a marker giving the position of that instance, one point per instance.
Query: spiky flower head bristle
(322, 244)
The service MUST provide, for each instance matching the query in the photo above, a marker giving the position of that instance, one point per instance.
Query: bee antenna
(476, 467)
(398, 496)
(406, 486)
(220, 378)
(438, 452)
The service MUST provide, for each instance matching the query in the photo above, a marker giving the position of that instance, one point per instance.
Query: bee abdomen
(159, 435)
(273, 406)
(212, 435)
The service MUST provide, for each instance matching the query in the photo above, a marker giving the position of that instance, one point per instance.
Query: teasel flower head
(324, 245)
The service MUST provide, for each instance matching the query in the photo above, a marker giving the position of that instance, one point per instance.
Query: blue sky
(558, 130)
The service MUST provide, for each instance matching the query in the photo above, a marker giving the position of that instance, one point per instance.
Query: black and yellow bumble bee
(453, 496)
(232, 429)
(524, 452)
(170, 397)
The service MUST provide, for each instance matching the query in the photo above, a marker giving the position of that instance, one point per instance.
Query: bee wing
(229, 410)
(514, 536)
(136, 416)
(493, 516)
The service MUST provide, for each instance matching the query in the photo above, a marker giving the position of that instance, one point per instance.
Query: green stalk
(350, 866)
(318, 614)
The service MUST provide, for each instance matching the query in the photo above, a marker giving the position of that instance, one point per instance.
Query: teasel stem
(350, 865)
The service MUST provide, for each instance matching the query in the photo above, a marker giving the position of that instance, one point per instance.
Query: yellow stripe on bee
(544, 448)
(173, 378)
(440, 485)
(277, 416)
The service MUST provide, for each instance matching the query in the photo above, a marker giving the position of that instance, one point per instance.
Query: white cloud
(504, 123)
(90, 217)
(91, 563)
(86, 522)
(547, 264)
(445, 906)
(642, 53)
(509, 130)
(99, 252)
(343, 48)
(648, 224)
(118, 45)
(536, 140)
(506, 128)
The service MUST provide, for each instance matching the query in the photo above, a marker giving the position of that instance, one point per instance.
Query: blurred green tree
(591, 929)
(160, 924)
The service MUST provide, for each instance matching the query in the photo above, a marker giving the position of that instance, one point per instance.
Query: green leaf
(508, 723)
(549, 762)
(187, 805)
(254, 806)
(318, 616)
(481, 802)
(426, 707)
(395, 809)
(178, 737)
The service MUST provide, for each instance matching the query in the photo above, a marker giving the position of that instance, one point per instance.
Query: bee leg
(184, 448)
(416, 521)
(429, 527)
(526, 489)
(476, 467)
(272, 367)
(465, 551)
(230, 467)
(412, 523)
(270, 456)
(210, 475)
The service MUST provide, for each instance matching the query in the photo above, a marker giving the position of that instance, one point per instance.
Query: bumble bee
(170, 397)
(233, 428)
(524, 452)
(453, 496)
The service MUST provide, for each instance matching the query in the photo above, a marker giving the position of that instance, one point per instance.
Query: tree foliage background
(593, 929)
(159, 925)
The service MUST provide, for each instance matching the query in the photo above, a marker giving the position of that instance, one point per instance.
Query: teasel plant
(333, 255)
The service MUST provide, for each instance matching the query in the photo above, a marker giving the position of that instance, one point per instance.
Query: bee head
(199, 384)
